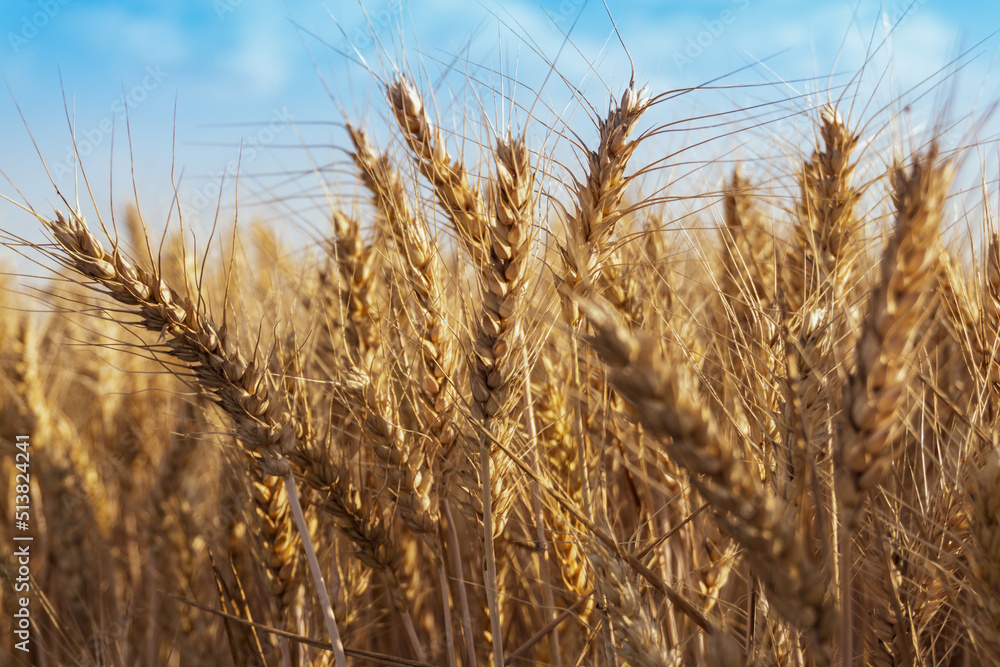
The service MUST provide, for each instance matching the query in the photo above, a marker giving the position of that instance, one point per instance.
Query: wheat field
(515, 409)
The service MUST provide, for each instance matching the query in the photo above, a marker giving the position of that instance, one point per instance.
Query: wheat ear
(875, 393)
(745, 510)
(876, 390)
(345, 293)
(496, 363)
(412, 242)
(824, 250)
(820, 272)
(747, 280)
(448, 177)
(599, 196)
(357, 517)
(499, 336)
(643, 643)
(409, 478)
(279, 540)
(747, 287)
(985, 554)
(245, 391)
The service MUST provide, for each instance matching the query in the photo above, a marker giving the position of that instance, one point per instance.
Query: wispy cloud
(236, 68)
(120, 33)
(261, 60)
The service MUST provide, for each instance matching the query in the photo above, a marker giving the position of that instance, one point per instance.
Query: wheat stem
(463, 597)
(317, 574)
(490, 580)
(542, 551)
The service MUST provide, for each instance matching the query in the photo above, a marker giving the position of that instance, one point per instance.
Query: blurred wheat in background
(535, 410)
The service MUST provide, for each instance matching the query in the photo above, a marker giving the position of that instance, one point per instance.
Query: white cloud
(261, 60)
(146, 39)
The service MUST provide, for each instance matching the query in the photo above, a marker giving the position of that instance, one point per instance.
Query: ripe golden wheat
(523, 429)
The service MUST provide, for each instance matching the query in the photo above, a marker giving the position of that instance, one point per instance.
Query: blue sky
(198, 78)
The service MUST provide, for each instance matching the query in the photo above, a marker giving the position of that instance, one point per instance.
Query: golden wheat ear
(628, 613)
(822, 262)
(748, 254)
(343, 298)
(449, 179)
(497, 371)
(598, 197)
(280, 544)
(244, 389)
(875, 394)
(669, 408)
(423, 276)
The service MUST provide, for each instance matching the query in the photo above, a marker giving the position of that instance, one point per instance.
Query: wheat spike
(463, 205)
(598, 197)
(823, 256)
(875, 393)
(756, 519)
